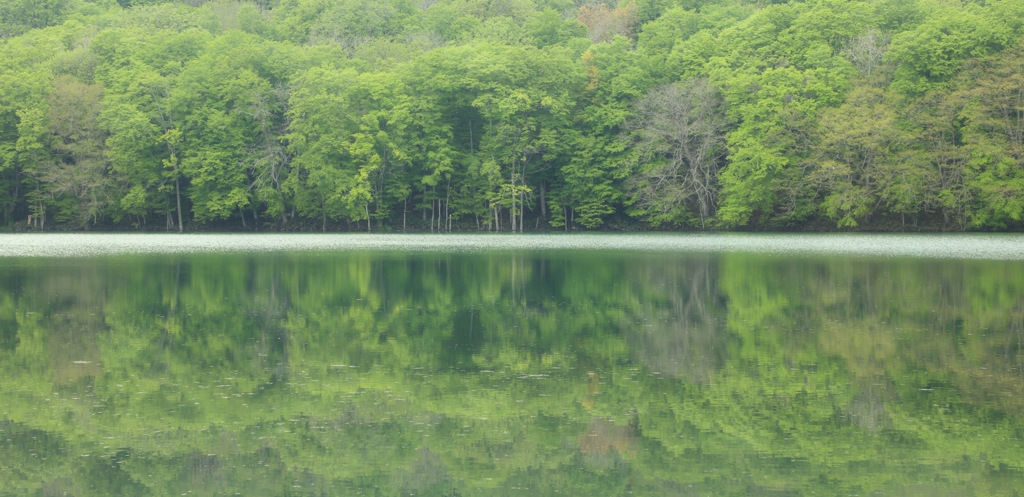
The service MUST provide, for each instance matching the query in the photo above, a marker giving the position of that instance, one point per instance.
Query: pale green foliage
(470, 114)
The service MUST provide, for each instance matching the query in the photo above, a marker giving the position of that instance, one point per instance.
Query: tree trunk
(366, 209)
(177, 193)
(543, 200)
(522, 210)
(512, 197)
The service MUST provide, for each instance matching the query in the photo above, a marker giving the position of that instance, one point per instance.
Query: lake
(586, 365)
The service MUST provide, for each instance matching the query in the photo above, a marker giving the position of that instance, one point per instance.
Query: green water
(555, 372)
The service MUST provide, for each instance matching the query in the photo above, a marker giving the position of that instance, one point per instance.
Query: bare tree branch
(679, 134)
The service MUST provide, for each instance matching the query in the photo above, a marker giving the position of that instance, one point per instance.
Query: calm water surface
(557, 366)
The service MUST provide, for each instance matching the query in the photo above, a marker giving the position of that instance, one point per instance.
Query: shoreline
(969, 246)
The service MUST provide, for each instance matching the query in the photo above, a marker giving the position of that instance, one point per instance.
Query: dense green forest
(511, 115)
(478, 374)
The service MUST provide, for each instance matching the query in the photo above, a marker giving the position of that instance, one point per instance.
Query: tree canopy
(512, 115)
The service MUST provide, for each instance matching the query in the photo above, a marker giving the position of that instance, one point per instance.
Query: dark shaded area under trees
(511, 115)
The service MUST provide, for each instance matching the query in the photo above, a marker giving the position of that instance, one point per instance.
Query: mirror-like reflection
(533, 373)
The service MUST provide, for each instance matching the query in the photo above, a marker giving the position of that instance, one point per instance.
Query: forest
(511, 115)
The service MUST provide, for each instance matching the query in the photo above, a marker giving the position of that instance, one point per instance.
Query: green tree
(19, 16)
(858, 138)
(993, 134)
(331, 180)
(930, 55)
(768, 146)
(75, 177)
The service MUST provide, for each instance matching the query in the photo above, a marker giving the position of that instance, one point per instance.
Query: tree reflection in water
(591, 373)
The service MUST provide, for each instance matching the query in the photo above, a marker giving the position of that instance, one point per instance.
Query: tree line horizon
(512, 115)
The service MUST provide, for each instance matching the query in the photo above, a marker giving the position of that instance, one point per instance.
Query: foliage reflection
(492, 374)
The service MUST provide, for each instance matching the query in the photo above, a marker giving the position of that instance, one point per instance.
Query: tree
(548, 28)
(993, 134)
(528, 105)
(856, 139)
(229, 102)
(330, 179)
(604, 24)
(78, 169)
(268, 156)
(18, 16)
(139, 71)
(936, 131)
(866, 52)
(680, 143)
(930, 55)
(65, 143)
(769, 146)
